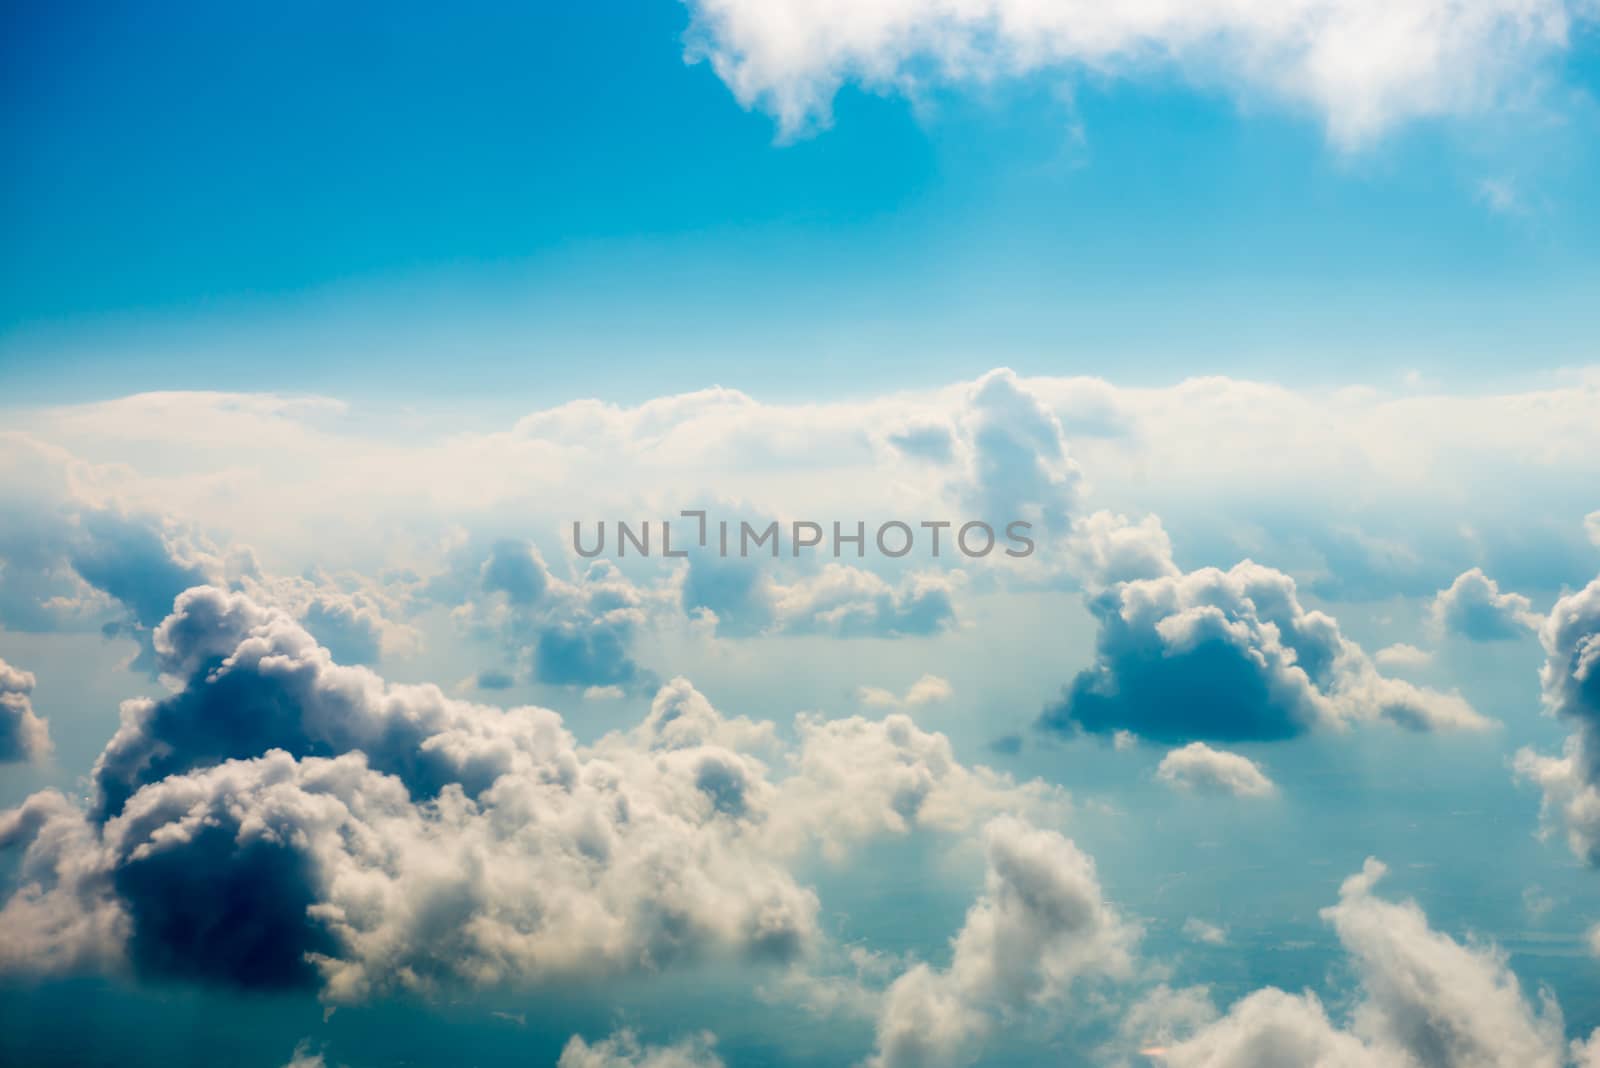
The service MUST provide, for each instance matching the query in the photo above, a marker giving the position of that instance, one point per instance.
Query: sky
(323, 333)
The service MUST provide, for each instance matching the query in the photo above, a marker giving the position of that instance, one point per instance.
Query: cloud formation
(1040, 925)
(284, 821)
(1474, 607)
(1362, 66)
(1232, 656)
(24, 735)
(623, 1050)
(1570, 680)
(1197, 766)
(1426, 1002)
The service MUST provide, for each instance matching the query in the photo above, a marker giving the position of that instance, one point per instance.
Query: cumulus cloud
(623, 1050)
(576, 632)
(1041, 925)
(24, 735)
(379, 836)
(1362, 66)
(1570, 680)
(1197, 766)
(1106, 548)
(1402, 655)
(1426, 1001)
(1473, 607)
(929, 689)
(1233, 656)
(747, 597)
(1591, 525)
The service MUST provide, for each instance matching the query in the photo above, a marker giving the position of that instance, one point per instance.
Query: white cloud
(1041, 925)
(1402, 655)
(1233, 655)
(305, 1057)
(1361, 65)
(1473, 607)
(1201, 931)
(927, 690)
(1197, 766)
(1570, 680)
(623, 1050)
(1426, 1002)
(24, 735)
(382, 835)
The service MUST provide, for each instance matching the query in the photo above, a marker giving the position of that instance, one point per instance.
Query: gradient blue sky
(213, 197)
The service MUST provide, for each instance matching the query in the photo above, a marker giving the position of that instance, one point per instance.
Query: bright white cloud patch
(1362, 65)
(1197, 766)
(1426, 1002)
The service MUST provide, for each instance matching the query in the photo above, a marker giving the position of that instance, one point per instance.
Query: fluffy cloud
(1197, 766)
(379, 836)
(1232, 656)
(623, 1050)
(1473, 607)
(23, 734)
(1361, 65)
(1004, 453)
(1402, 655)
(1427, 1002)
(1207, 933)
(1105, 549)
(564, 632)
(1570, 680)
(929, 689)
(1040, 925)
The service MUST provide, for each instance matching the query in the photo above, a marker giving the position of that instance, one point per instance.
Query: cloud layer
(379, 836)
(1361, 65)
(1233, 656)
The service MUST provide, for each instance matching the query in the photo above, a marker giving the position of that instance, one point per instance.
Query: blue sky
(539, 189)
(320, 745)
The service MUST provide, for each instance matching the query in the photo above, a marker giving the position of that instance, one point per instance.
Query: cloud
(576, 632)
(1197, 766)
(1361, 66)
(1474, 608)
(1591, 526)
(1426, 1002)
(1232, 656)
(306, 1057)
(1040, 925)
(1106, 548)
(1570, 680)
(623, 1050)
(1401, 655)
(24, 735)
(742, 598)
(929, 689)
(1201, 931)
(283, 821)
